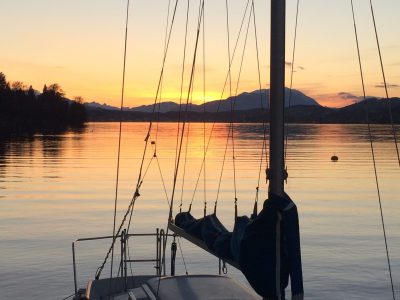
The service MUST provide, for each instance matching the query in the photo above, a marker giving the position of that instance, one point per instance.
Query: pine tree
(3, 82)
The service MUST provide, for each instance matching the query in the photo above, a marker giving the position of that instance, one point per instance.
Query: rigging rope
(372, 150)
(183, 258)
(153, 112)
(120, 132)
(155, 143)
(231, 127)
(162, 79)
(187, 112)
(385, 84)
(129, 210)
(220, 176)
(181, 94)
(158, 96)
(187, 142)
(185, 159)
(291, 79)
(218, 106)
(229, 52)
(140, 178)
(162, 180)
(187, 105)
(264, 144)
(233, 106)
(200, 18)
(204, 116)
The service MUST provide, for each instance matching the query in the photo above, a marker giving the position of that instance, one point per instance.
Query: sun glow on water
(56, 188)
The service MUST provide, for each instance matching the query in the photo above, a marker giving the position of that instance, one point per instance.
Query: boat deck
(196, 287)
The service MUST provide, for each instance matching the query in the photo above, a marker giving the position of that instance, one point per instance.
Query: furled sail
(266, 249)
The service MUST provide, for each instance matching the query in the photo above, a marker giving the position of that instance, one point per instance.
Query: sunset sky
(79, 44)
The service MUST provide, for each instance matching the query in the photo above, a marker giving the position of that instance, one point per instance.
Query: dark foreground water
(56, 188)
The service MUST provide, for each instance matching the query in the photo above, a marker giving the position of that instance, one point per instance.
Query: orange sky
(79, 44)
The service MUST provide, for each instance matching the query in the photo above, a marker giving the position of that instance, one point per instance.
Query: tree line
(24, 110)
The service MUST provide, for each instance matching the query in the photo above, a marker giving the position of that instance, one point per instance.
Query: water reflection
(57, 187)
(3, 149)
(52, 146)
(41, 151)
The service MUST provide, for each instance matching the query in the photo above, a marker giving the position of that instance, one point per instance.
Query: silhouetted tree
(54, 106)
(55, 90)
(22, 111)
(77, 111)
(31, 93)
(78, 99)
(18, 86)
(3, 104)
(3, 81)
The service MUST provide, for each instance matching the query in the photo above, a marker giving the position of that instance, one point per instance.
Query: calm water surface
(57, 188)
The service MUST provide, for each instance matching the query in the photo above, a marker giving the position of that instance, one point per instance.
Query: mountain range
(244, 101)
(302, 109)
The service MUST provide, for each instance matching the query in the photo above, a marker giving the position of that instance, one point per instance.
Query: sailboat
(265, 246)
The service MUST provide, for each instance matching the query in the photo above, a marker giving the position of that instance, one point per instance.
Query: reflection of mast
(277, 97)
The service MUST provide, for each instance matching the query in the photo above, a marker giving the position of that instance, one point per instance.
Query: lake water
(57, 188)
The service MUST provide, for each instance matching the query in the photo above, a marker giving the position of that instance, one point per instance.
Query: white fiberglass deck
(194, 287)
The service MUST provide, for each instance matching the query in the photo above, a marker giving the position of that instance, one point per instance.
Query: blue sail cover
(209, 230)
(266, 248)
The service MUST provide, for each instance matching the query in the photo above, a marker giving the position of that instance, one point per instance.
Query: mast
(277, 97)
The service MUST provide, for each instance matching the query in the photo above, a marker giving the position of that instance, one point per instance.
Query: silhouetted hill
(95, 105)
(161, 107)
(244, 101)
(378, 113)
(352, 114)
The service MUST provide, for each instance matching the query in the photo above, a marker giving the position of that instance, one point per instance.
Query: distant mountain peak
(96, 105)
(243, 101)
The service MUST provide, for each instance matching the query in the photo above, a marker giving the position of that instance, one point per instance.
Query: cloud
(389, 85)
(352, 97)
(349, 96)
(289, 64)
